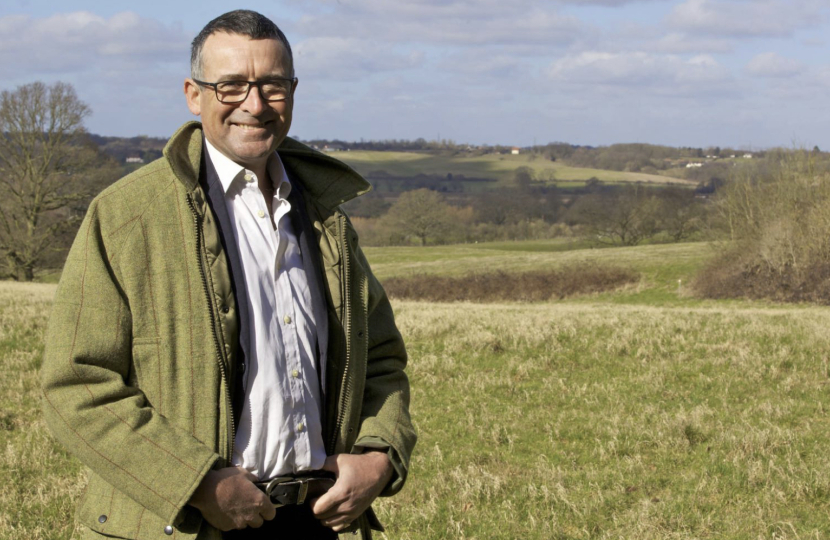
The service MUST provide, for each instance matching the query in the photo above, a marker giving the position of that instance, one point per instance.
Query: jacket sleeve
(385, 419)
(89, 401)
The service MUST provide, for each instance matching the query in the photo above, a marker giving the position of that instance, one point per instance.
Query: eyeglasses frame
(250, 84)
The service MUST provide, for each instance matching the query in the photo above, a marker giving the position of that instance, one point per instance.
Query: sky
(749, 74)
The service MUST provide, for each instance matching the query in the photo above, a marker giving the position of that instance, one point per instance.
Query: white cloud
(73, 42)
(774, 65)
(683, 43)
(741, 18)
(464, 22)
(645, 71)
(350, 59)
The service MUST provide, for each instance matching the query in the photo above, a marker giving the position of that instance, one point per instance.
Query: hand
(228, 499)
(360, 479)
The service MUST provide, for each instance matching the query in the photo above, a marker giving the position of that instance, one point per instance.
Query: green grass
(500, 167)
(642, 413)
(667, 269)
(582, 421)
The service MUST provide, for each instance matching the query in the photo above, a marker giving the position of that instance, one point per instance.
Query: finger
(342, 522)
(256, 522)
(331, 504)
(268, 511)
(322, 505)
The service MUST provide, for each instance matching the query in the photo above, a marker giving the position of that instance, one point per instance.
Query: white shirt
(279, 431)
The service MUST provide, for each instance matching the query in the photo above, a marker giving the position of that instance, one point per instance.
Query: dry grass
(496, 166)
(559, 283)
(592, 421)
(40, 480)
(572, 420)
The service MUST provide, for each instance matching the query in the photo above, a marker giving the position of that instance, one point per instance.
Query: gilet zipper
(345, 388)
(211, 313)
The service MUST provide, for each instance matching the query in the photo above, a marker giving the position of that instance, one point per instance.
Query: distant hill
(444, 165)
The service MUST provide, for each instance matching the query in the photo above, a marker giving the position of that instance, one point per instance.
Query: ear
(193, 94)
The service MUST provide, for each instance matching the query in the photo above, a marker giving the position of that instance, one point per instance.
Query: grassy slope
(637, 414)
(661, 265)
(500, 167)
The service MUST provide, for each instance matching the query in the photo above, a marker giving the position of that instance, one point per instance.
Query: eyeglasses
(274, 89)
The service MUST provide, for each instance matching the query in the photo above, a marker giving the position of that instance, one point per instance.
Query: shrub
(560, 283)
(778, 223)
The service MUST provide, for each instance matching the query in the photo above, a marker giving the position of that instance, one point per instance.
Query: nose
(253, 104)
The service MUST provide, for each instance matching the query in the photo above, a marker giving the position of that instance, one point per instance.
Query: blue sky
(743, 73)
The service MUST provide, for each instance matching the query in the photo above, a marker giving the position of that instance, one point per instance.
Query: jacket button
(242, 368)
(102, 519)
(225, 309)
(168, 530)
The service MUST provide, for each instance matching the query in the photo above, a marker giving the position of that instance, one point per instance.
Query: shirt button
(168, 530)
(300, 426)
(261, 214)
(102, 519)
(287, 319)
(295, 373)
(249, 177)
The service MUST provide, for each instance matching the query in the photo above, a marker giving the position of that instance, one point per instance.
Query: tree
(420, 213)
(44, 158)
(626, 217)
(680, 215)
(523, 177)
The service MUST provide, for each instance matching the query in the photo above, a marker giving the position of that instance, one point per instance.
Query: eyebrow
(240, 77)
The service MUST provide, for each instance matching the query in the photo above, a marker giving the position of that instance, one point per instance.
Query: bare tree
(44, 156)
(420, 213)
(623, 218)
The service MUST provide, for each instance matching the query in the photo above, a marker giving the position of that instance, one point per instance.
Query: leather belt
(285, 490)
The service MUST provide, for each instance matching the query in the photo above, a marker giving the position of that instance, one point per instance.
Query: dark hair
(241, 21)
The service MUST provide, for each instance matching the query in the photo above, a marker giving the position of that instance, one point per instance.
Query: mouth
(250, 127)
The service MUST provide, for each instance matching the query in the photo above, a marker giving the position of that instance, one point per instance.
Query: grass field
(496, 166)
(643, 413)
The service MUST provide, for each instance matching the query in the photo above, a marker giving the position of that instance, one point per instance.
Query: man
(220, 355)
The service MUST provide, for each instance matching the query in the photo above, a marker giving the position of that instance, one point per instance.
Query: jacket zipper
(347, 328)
(219, 354)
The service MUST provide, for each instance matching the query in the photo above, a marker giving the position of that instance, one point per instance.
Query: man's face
(246, 132)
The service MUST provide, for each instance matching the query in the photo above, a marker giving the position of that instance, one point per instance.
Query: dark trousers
(291, 522)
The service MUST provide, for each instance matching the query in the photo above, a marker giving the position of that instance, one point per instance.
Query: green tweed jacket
(139, 366)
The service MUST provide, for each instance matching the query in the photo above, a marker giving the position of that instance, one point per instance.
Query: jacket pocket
(145, 368)
(107, 512)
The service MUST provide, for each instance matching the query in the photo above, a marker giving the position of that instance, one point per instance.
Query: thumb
(321, 504)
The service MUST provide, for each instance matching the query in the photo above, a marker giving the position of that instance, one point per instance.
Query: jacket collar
(326, 180)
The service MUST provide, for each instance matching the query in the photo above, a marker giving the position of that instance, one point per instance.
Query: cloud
(645, 71)
(683, 43)
(774, 65)
(741, 18)
(80, 41)
(441, 22)
(350, 59)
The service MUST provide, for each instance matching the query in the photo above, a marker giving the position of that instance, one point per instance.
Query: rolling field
(642, 413)
(500, 167)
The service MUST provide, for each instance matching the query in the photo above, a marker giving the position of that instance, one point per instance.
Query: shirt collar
(228, 170)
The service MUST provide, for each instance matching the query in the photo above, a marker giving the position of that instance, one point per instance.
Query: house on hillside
(748, 156)
(694, 165)
(515, 150)
(134, 160)
(333, 148)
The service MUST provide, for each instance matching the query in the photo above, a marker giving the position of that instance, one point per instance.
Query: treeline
(605, 214)
(121, 148)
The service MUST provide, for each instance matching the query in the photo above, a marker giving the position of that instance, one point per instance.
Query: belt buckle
(274, 482)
